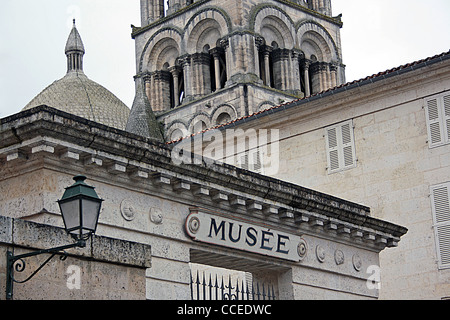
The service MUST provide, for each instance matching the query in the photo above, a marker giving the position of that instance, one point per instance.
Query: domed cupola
(75, 93)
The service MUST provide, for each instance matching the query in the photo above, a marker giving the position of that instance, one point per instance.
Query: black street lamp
(80, 209)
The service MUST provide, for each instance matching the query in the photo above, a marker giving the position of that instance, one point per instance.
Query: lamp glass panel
(90, 214)
(71, 213)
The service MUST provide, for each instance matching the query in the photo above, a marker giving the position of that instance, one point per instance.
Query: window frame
(441, 221)
(340, 147)
(438, 120)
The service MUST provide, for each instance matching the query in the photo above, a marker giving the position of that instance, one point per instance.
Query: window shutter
(440, 196)
(244, 161)
(257, 162)
(332, 147)
(446, 102)
(340, 147)
(253, 161)
(348, 145)
(434, 123)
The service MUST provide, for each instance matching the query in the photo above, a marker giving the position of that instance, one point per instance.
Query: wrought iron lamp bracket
(18, 263)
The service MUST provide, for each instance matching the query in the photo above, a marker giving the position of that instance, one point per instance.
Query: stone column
(321, 71)
(185, 62)
(176, 83)
(323, 75)
(306, 65)
(173, 6)
(315, 77)
(146, 12)
(151, 10)
(266, 53)
(287, 70)
(280, 69)
(202, 75)
(148, 86)
(225, 44)
(295, 71)
(153, 92)
(324, 72)
(162, 86)
(216, 55)
(333, 71)
(158, 7)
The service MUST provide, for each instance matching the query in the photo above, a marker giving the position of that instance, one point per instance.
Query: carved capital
(184, 60)
(260, 42)
(201, 58)
(224, 43)
(216, 52)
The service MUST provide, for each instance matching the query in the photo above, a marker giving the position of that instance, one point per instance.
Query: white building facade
(383, 142)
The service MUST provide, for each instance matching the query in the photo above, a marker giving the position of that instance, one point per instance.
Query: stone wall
(106, 269)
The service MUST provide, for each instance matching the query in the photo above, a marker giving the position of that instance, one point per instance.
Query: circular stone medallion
(127, 210)
(339, 257)
(156, 216)
(320, 253)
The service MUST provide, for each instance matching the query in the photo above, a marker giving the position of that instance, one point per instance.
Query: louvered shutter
(244, 161)
(252, 160)
(348, 145)
(435, 132)
(257, 162)
(333, 150)
(340, 147)
(440, 196)
(446, 105)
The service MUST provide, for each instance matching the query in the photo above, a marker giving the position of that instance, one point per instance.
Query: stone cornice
(57, 135)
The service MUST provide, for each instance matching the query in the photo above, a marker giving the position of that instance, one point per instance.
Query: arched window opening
(176, 135)
(223, 118)
(199, 126)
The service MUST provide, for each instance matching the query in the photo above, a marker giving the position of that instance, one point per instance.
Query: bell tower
(202, 63)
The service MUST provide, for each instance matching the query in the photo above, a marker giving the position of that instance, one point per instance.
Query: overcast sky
(377, 35)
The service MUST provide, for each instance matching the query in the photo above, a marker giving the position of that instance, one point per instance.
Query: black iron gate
(203, 288)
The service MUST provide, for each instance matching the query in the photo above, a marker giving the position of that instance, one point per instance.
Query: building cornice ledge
(44, 130)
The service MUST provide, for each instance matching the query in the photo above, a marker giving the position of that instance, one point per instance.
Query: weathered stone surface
(121, 252)
(207, 63)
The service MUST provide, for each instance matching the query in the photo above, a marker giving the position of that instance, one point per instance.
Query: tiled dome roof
(75, 93)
